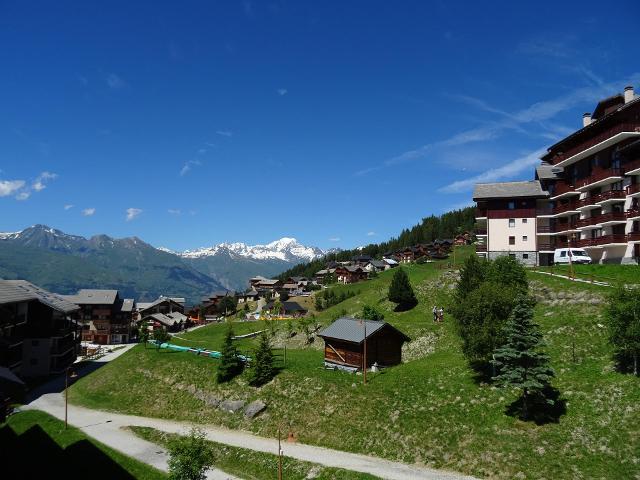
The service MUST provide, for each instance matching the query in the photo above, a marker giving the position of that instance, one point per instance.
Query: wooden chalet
(344, 342)
(350, 274)
(288, 309)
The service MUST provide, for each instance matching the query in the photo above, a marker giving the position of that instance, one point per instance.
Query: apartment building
(105, 317)
(586, 194)
(37, 335)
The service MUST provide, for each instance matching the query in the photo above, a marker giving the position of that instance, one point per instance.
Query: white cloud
(133, 213)
(370, 234)
(40, 182)
(23, 195)
(506, 171)
(174, 211)
(115, 82)
(9, 187)
(334, 239)
(225, 133)
(87, 212)
(282, 91)
(186, 168)
(68, 207)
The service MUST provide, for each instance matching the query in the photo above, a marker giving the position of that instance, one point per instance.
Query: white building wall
(499, 231)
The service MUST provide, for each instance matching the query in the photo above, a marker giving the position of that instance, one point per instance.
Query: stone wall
(531, 261)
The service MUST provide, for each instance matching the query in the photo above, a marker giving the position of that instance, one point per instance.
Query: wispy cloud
(40, 182)
(188, 165)
(133, 213)
(334, 239)
(68, 207)
(115, 82)
(371, 234)
(225, 133)
(24, 195)
(10, 187)
(87, 212)
(537, 114)
(174, 211)
(282, 91)
(506, 171)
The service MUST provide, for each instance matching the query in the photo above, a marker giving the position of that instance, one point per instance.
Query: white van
(573, 255)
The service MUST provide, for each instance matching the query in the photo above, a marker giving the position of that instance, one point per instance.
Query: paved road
(109, 428)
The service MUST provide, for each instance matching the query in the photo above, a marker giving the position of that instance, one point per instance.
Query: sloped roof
(10, 293)
(127, 305)
(290, 285)
(57, 302)
(378, 263)
(546, 171)
(509, 190)
(162, 318)
(352, 329)
(90, 296)
(145, 306)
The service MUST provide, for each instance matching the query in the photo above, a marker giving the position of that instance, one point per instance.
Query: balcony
(481, 232)
(565, 227)
(603, 241)
(632, 168)
(600, 199)
(563, 190)
(633, 237)
(481, 248)
(596, 143)
(633, 213)
(633, 190)
(602, 220)
(544, 229)
(599, 177)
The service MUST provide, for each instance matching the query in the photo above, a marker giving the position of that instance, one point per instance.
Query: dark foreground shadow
(539, 411)
(405, 307)
(34, 454)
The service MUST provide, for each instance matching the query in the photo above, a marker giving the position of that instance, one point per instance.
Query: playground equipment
(197, 351)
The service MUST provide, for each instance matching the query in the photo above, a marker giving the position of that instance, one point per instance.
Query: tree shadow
(405, 307)
(539, 410)
(623, 363)
(482, 371)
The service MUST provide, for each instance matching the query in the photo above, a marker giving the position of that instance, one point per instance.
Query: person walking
(435, 313)
(441, 314)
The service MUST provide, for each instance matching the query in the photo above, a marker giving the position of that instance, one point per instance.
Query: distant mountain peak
(286, 249)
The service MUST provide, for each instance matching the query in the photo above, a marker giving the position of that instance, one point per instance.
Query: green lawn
(69, 440)
(429, 410)
(613, 274)
(252, 465)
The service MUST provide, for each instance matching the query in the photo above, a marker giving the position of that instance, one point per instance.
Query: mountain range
(64, 263)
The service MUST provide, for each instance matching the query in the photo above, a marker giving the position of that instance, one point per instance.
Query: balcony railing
(605, 217)
(562, 188)
(632, 165)
(592, 141)
(564, 227)
(603, 240)
(634, 188)
(633, 237)
(633, 212)
(544, 229)
(599, 174)
(481, 248)
(601, 197)
(481, 231)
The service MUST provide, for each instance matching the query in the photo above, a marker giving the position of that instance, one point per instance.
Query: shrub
(189, 457)
(623, 318)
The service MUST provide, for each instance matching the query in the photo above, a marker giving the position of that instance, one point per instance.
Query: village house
(344, 342)
(375, 266)
(160, 305)
(362, 260)
(288, 309)
(105, 317)
(249, 296)
(38, 337)
(172, 322)
(350, 274)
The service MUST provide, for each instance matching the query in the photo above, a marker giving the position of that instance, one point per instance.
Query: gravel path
(110, 429)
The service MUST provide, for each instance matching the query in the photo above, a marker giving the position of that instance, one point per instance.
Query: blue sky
(339, 123)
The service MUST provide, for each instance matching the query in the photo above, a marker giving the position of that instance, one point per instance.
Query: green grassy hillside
(429, 410)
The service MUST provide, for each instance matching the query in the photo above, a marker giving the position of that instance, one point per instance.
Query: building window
(512, 240)
(524, 220)
(512, 255)
(524, 238)
(511, 205)
(525, 256)
(512, 223)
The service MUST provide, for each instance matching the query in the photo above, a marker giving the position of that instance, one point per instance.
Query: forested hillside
(431, 228)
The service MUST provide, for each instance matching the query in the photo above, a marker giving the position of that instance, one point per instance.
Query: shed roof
(509, 190)
(127, 305)
(10, 293)
(163, 319)
(352, 329)
(55, 301)
(546, 171)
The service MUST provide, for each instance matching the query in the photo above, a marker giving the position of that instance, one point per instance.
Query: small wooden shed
(344, 342)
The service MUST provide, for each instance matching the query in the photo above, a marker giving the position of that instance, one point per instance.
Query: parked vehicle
(571, 255)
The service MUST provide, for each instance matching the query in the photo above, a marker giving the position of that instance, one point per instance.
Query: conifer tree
(520, 361)
(472, 274)
(262, 369)
(623, 318)
(230, 363)
(400, 291)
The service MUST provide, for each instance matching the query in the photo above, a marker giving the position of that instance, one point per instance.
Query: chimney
(586, 119)
(628, 94)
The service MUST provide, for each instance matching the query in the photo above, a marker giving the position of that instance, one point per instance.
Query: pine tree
(520, 361)
(400, 291)
(262, 369)
(472, 274)
(230, 363)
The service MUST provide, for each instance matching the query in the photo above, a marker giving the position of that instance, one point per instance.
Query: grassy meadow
(430, 410)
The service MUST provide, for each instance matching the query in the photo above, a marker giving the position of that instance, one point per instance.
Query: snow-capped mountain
(285, 249)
